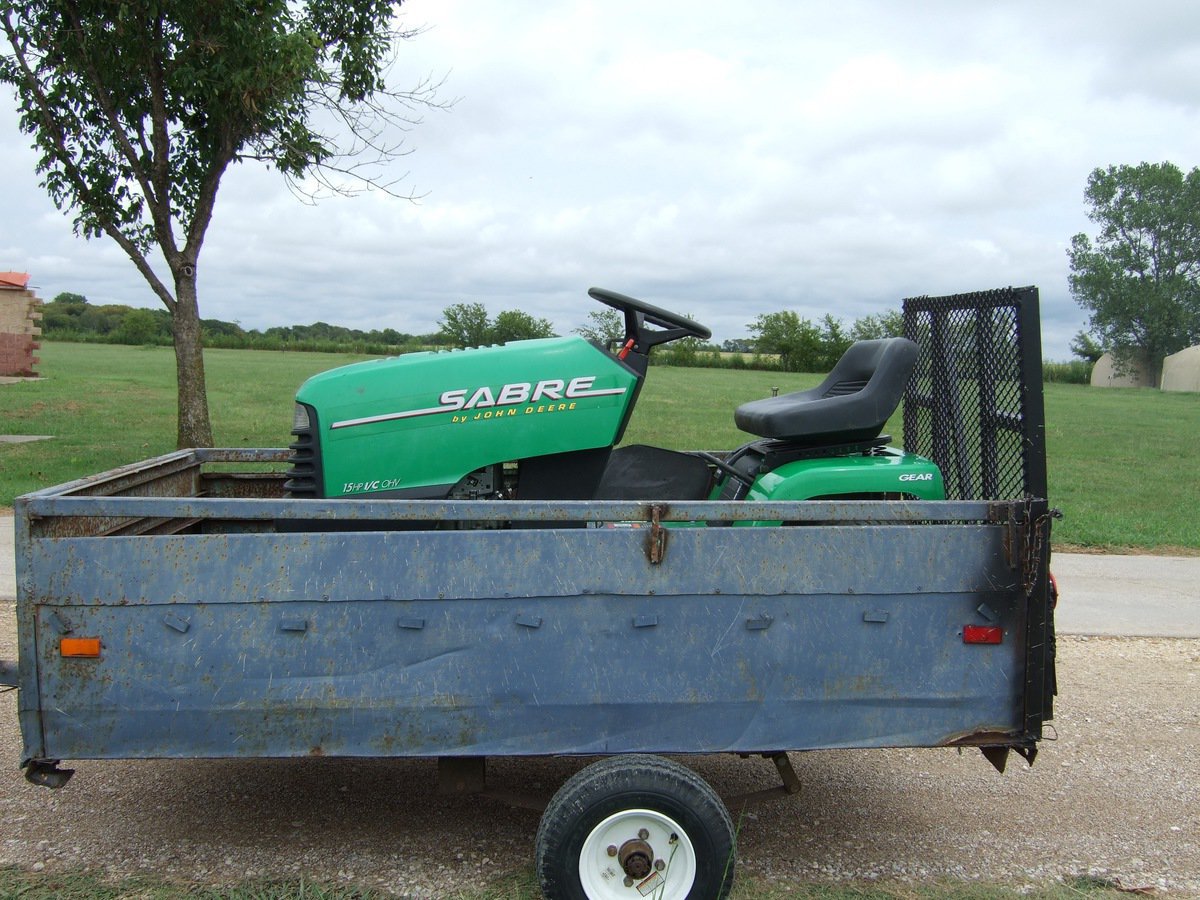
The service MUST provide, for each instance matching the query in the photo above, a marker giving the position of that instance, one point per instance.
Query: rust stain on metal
(656, 542)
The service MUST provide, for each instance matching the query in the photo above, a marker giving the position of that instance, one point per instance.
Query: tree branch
(159, 203)
(160, 159)
(205, 203)
(139, 260)
(57, 146)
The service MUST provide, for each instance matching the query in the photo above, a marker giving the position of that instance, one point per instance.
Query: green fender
(887, 473)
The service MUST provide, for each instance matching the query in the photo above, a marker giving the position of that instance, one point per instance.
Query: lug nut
(660, 864)
(643, 833)
(628, 881)
(612, 849)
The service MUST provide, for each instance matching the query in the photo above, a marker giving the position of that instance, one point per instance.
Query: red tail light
(983, 634)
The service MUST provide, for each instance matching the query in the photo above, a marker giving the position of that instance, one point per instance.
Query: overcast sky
(720, 159)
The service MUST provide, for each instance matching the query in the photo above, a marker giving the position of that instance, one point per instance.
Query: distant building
(20, 312)
(1105, 374)
(1181, 371)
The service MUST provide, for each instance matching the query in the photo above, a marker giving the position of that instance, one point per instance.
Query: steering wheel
(638, 312)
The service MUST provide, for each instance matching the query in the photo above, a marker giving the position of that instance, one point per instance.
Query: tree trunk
(195, 428)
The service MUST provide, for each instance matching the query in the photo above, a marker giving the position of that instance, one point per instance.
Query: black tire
(689, 834)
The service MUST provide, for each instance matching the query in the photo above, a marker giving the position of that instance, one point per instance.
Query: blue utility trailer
(186, 607)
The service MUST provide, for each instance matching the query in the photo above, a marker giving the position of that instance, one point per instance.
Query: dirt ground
(1115, 796)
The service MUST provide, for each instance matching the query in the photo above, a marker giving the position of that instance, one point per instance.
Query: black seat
(852, 404)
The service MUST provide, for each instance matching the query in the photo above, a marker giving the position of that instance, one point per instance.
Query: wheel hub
(618, 859)
(636, 858)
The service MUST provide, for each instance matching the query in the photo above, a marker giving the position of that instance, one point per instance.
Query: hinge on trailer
(656, 543)
(1009, 516)
(1034, 534)
(1025, 540)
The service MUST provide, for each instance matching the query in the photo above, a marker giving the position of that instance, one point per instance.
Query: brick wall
(20, 312)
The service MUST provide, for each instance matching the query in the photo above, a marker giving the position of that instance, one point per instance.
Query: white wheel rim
(601, 875)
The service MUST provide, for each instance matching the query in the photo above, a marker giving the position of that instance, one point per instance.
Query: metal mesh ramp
(974, 402)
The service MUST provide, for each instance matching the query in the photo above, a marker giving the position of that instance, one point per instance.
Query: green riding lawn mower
(541, 420)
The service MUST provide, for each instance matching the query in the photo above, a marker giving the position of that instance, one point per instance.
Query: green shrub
(1077, 371)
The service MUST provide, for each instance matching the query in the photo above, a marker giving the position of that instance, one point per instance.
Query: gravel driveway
(1116, 796)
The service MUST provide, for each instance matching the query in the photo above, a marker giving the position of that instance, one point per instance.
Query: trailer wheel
(635, 826)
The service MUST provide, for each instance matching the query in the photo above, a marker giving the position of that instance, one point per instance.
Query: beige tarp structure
(1181, 371)
(1104, 374)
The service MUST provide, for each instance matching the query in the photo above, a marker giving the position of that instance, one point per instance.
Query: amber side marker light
(983, 634)
(80, 648)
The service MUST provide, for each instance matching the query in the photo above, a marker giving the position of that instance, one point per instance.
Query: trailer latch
(656, 543)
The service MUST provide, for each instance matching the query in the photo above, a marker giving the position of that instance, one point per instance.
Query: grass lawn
(1124, 467)
(110, 405)
(1122, 462)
